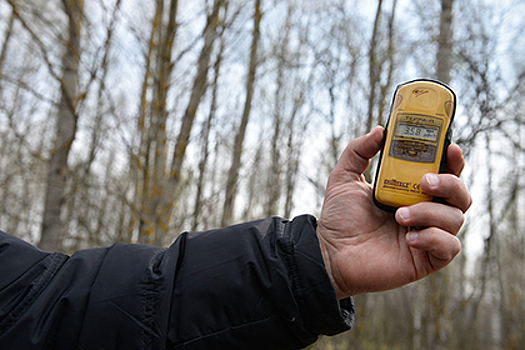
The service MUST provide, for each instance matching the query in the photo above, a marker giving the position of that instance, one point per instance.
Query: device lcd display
(417, 131)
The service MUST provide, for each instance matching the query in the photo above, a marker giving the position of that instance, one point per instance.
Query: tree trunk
(273, 185)
(156, 190)
(163, 192)
(373, 67)
(65, 131)
(199, 88)
(439, 281)
(383, 98)
(233, 174)
(444, 54)
(206, 136)
(139, 162)
(293, 160)
(5, 46)
(374, 70)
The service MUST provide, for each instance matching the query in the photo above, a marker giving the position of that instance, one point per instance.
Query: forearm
(261, 285)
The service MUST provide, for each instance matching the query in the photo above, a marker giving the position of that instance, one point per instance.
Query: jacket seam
(37, 286)
(151, 296)
(287, 246)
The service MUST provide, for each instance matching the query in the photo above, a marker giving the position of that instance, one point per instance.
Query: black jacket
(257, 285)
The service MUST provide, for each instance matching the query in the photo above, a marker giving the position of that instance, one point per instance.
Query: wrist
(312, 285)
(328, 251)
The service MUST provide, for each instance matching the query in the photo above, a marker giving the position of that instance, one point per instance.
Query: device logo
(420, 92)
(405, 186)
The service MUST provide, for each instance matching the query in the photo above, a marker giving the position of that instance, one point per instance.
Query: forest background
(132, 121)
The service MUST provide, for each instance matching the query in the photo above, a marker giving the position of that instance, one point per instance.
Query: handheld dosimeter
(417, 134)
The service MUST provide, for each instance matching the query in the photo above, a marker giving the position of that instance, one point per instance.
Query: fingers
(438, 238)
(448, 187)
(441, 246)
(429, 214)
(356, 157)
(441, 222)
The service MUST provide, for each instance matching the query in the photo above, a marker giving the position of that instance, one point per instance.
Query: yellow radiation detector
(417, 134)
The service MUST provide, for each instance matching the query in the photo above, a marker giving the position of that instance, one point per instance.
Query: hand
(366, 249)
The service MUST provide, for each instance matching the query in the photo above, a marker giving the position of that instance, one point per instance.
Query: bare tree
(444, 53)
(378, 59)
(139, 163)
(233, 174)
(156, 181)
(373, 66)
(438, 306)
(273, 184)
(200, 86)
(207, 127)
(67, 119)
(156, 188)
(7, 39)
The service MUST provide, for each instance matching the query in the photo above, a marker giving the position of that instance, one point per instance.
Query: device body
(417, 134)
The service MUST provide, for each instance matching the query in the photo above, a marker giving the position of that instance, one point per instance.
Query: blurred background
(132, 121)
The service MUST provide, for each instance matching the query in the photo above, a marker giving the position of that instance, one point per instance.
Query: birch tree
(155, 189)
(233, 173)
(439, 283)
(207, 126)
(67, 119)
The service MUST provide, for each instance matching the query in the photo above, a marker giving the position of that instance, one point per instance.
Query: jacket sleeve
(257, 285)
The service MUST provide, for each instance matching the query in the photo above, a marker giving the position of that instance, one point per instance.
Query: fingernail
(412, 236)
(433, 180)
(404, 213)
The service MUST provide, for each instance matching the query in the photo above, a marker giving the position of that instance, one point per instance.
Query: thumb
(356, 157)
